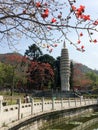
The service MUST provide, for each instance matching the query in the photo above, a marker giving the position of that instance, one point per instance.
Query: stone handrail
(12, 113)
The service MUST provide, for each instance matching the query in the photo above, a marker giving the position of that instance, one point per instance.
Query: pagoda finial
(64, 45)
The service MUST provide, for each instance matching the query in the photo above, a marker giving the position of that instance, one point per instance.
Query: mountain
(3, 57)
(81, 67)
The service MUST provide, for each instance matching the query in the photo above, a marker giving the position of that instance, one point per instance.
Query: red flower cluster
(79, 12)
(59, 16)
(95, 41)
(45, 13)
(82, 47)
(78, 41)
(95, 22)
(53, 20)
(38, 4)
(81, 34)
(85, 17)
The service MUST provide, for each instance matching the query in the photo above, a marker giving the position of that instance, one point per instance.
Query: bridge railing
(12, 113)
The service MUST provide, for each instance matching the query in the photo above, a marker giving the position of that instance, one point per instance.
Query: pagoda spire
(64, 45)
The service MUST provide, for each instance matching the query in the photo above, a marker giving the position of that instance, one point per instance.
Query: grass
(10, 100)
(93, 127)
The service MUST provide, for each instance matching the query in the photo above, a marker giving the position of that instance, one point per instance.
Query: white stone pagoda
(65, 69)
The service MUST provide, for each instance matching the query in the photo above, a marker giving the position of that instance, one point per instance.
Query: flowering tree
(5, 75)
(40, 75)
(46, 22)
(80, 79)
(16, 62)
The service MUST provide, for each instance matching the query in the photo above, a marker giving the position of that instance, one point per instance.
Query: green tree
(5, 75)
(71, 75)
(94, 77)
(33, 52)
(47, 59)
(14, 60)
(57, 74)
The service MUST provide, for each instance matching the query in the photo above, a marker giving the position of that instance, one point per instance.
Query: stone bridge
(12, 115)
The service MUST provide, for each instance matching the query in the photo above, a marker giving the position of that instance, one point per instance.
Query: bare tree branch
(45, 21)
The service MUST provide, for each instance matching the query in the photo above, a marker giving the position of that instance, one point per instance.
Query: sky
(88, 58)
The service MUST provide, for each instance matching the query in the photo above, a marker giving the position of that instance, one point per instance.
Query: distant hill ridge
(3, 56)
(84, 68)
(13, 53)
(81, 67)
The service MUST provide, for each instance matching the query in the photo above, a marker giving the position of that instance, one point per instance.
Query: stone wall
(53, 118)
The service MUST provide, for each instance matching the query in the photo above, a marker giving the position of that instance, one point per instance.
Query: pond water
(65, 121)
(63, 124)
(94, 127)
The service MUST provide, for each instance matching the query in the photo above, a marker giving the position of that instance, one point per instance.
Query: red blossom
(45, 14)
(73, 7)
(85, 17)
(39, 73)
(82, 47)
(81, 34)
(81, 9)
(38, 4)
(78, 41)
(79, 12)
(53, 20)
(95, 22)
(59, 16)
(95, 41)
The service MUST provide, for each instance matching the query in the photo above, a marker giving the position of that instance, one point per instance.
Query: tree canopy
(40, 74)
(33, 52)
(46, 22)
(47, 59)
